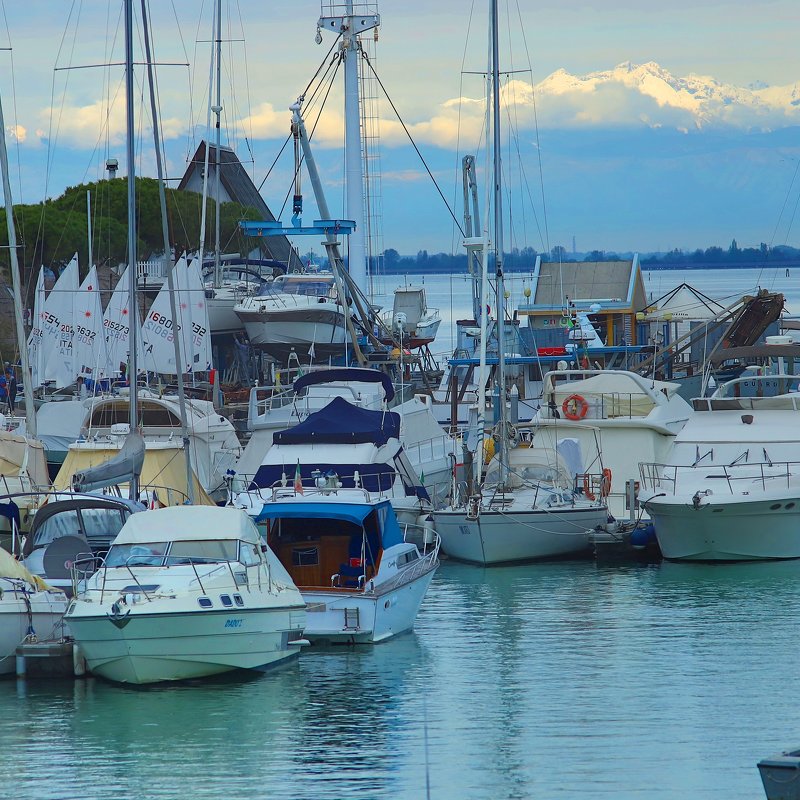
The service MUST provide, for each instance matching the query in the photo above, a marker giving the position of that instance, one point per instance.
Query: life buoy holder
(605, 483)
(587, 487)
(575, 407)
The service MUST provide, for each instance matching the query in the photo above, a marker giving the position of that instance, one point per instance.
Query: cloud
(18, 132)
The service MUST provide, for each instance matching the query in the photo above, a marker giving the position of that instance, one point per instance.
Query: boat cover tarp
(124, 466)
(341, 422)
(188, 523)
(164, 468)
(11, 568)
(346, 375)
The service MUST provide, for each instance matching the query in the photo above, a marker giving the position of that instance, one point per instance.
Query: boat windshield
(316, 286)
(157, 554)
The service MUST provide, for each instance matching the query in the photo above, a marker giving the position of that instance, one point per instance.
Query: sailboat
(526, 506)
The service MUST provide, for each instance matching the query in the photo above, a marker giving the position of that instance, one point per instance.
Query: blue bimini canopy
(343, 423)
(346, 375)
(382, 529)
(349, 512)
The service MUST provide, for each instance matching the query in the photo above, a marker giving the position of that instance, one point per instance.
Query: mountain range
(651, 95)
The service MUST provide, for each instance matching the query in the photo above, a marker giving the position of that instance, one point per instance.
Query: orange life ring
(605, 483)
(575, 407)
(587, 491)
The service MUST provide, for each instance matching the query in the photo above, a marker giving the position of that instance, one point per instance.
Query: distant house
(610, 292)
(236, 187)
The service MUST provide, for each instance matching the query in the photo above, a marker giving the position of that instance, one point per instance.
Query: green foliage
(50, 233)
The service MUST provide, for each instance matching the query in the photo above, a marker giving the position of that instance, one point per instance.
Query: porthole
(238, 600)
(204, 602)
(225, 599)
(774, 506)
(788, 506)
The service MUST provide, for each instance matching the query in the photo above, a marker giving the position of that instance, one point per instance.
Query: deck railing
(666, 477)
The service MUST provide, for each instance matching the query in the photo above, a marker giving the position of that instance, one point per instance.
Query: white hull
(728, 528)
(46, 620)
(152, 647)
(498, 538)
(221, 316)
(352, 617)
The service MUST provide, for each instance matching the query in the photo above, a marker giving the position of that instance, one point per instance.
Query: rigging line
(311, 134)
(289, 137)
(520, 161)
(536, 127)
(186, 59)
(413, 143)
(191, 142)
(457, 171)
(785, 201)
(247, 139)
(50, 142)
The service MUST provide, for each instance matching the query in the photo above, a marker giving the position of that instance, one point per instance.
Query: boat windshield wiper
(698, 458)
(744, 456)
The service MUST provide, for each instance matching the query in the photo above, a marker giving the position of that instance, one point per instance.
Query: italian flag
(298, 480)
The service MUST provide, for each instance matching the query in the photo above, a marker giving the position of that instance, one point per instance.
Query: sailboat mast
(217, 109)
(498, 240)
(162, 196)
(133, 336)
(30, 411)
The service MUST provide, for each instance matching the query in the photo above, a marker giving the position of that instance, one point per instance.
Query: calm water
(570, 680)
(451, 293)
(564, 680)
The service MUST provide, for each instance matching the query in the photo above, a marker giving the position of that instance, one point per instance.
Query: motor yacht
(362, 573)
(730, 490)
(186, 592)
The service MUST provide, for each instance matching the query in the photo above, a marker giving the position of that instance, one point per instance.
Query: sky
(627, 159)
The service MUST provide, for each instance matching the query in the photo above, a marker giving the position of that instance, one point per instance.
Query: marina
(502, 522)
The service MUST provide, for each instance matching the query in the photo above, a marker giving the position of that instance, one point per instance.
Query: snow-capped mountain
(651, 95)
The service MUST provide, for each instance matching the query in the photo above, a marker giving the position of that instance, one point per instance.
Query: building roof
(613, 285)
(240, 189)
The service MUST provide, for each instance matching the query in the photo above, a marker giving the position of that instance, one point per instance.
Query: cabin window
(65, 523)
(141, 554)
(102, 525)
(248, 554)
(203, 551)
(237, 598)
(305, 557)
(225, 599)
(204, 602)
(407, 557)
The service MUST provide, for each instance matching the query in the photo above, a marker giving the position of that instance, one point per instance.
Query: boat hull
(280, 333)
(501, 538)
(350, 617)
(45, 618)
(154, 647)
(727, 528)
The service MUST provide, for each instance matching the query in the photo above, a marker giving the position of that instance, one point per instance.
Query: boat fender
(643, 536)
(575, 407)
(605, 483)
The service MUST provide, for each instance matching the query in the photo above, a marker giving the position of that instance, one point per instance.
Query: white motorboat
(428, 448)
(410, 319)
(625, 416)
(186, 592)
(535, 512)
(29, 610)
(730, 491)
(297, 317)
(362, 573)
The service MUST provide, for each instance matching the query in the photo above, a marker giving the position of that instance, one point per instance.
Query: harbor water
(553, 680)
(572, 680)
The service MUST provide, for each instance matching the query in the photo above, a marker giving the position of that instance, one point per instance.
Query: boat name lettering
(233, 623)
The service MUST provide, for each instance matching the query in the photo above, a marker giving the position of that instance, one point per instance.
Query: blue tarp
(350, 512)
(343, 423)
(349, 375)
